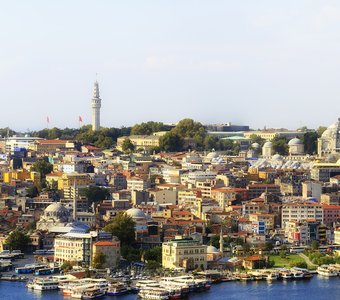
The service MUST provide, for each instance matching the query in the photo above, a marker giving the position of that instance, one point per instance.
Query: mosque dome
(212, 250)
(212, 155)
(136, 213)
(255, 145)
(331, 130)
(295, 141)
(56, 209)
(277, 157)
(268, 145)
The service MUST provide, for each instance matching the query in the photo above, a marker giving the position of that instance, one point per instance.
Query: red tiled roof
(103, 243)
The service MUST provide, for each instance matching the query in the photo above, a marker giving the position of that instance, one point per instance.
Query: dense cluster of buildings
(177, 200)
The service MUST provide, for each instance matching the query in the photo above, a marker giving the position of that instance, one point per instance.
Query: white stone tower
(96, 105)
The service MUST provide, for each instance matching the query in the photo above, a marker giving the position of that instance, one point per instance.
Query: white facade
(96, 105)
(19, 142)
(312, 189)
(301, 211)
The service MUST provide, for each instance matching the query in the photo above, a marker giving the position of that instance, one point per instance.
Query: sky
(257, 63)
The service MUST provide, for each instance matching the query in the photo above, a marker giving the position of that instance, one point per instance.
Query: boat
(116, 289)
(297, 274)
(93, 293)
(326, 271)
(270, 276)
(257, 275)
(154, 294)
(43, 284)
(246, 277)
(306, 273)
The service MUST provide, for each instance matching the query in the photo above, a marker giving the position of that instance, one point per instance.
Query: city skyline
(263, 64)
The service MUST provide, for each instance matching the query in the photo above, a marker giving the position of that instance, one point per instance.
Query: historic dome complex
(296, 147)
(55, 215)
(329, 142)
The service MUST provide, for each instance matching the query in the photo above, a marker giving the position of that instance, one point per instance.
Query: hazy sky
(255, 62)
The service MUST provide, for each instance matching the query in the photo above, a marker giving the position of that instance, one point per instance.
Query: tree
(153, 254)
(257, 139)
(18, 240)
(310, 140)
(123, 227)
(280, 145)
(99, 260)
(171, 142)
(210, 142)
(95, 194)
(128, 146)
(188, 128)
(43, 167)
(32, 191)
(148, 128)
(321, 130)
(315, 245)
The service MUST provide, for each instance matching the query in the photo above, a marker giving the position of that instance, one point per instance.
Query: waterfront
(316, 288)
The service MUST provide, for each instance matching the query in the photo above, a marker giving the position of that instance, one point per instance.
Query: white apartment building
(138, 184)
(73, 247)
(301, 211)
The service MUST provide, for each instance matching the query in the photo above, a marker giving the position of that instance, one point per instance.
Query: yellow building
(184, 253)
(23, 175)
(72, 183)
(139, 141)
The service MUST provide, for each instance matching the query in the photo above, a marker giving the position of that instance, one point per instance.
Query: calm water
(316, 288)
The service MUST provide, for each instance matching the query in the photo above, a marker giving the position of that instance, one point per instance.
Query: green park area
(286, 261)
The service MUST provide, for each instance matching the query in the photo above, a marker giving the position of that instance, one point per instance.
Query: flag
(48, 119)
(80, 119)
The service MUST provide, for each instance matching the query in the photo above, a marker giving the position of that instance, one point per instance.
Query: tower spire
(96, 105)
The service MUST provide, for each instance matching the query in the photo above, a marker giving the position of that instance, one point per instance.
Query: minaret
(96, 105)
(221, 240)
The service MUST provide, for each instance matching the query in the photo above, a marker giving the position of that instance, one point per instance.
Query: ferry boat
(94, 293)
(116, 289)
(172, 285)
(154, 294)
(43, 285)
(297, 274)
(246, 277)
(306, 273)
(326, 271)
(270, 276)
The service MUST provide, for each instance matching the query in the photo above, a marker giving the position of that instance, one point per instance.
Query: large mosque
(329, 142)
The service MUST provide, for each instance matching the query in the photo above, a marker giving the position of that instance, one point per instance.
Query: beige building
(49, 146)
(185, 253)
(163, 196)
(337, 236)
(73, 247)
(140, 141)
(269, 135)
(268, 219)
(111, 250)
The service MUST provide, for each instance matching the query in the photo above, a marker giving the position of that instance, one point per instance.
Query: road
(307, 260)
